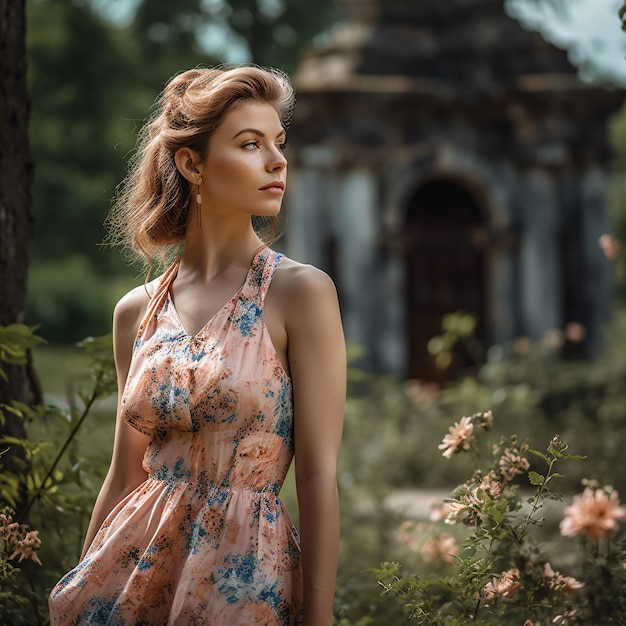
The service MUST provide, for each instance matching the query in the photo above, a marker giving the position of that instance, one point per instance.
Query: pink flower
(438, 510)
(485, 419)
(558, 582)
(512, 463)
(554, 338)
(421, 393)
(10, 531)
(595, 512)
(454, 510)
(521, 345)
(18, 540)
(575, 332)
(565, 618)
(25, 548)
(405, 534)
(459, 437)
(610, 246)
(473, 498)
(505, 586)
(492, 485)
(442, 548)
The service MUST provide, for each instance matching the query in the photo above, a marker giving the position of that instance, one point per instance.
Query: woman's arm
(126, 472)
(317, 362)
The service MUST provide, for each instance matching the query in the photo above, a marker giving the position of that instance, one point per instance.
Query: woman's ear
(187, 163)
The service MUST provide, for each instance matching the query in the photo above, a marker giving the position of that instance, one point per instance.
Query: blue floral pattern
(205, 539)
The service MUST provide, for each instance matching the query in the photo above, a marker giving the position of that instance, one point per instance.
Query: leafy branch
(101, 358)
(555, 453)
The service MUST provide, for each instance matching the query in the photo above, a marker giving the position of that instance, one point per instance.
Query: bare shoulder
(131, 308)
(132, 304)
(305, 297)
(302, 283)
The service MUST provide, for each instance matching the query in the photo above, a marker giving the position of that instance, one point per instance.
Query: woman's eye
(282, 146)
(251, 145)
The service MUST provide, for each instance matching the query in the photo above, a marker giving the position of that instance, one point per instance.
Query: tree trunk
(16, 172)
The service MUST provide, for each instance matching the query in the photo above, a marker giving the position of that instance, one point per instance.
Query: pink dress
(205, 539)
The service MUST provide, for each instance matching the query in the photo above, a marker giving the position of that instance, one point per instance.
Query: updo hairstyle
(150, 211)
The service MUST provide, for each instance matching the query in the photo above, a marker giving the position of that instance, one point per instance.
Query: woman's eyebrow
(258, 133)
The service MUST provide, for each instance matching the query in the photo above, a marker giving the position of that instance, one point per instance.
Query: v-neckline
(228, 303)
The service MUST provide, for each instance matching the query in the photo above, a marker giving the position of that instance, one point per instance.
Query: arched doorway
(444, 270)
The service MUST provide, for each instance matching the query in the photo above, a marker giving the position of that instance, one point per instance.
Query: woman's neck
(218, 244)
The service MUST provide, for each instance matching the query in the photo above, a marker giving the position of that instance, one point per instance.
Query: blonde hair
(150, 210)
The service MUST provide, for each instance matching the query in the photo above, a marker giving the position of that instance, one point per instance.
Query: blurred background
(457, 167)
(512, 134)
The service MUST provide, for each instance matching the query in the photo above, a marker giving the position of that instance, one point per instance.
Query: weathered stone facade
(444, 158)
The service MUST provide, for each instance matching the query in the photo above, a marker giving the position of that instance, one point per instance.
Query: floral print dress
(205, 539)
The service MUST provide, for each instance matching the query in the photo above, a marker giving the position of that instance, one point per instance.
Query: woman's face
(245, 169)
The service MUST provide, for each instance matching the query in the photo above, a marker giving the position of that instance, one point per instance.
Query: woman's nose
(277, 161)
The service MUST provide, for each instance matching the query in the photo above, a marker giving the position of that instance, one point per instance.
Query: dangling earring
(199, 205)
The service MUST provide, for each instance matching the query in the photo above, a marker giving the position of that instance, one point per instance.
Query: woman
(217, 391)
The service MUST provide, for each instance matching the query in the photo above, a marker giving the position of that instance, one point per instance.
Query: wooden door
(444, 272)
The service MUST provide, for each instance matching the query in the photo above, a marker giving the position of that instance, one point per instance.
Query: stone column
(355, 212)
(540, 258)
(306, 214)
(597, 278)
(390, 316)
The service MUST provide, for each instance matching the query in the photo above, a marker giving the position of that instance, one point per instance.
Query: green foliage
(536, 388)
(79, 116)
(501, 574)
(71, 299)
(15, 342)
(458, 329)
(274, 33)
(391, 442)
(56, 478)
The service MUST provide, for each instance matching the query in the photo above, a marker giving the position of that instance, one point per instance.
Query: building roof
(446, 49)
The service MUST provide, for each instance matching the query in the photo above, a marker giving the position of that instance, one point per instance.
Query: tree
(16, 171)
(80, 85)
(274, 32)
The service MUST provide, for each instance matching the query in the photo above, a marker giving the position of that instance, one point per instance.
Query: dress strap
(158, 298)
(261, 273)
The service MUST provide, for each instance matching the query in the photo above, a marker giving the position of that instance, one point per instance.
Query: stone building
(444, 158)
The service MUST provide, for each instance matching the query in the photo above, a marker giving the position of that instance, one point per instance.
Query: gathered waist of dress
(203, 485)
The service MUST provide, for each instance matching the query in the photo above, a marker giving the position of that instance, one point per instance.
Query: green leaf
(541, 455)
(12, 409)
(535, 478)
(15, 441)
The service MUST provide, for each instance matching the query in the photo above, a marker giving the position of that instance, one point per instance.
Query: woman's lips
(274, 188)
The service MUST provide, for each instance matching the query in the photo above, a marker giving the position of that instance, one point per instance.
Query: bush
(502, 573)
(393, 430)
(45, 501)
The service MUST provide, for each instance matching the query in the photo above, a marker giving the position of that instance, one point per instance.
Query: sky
(588, 29)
